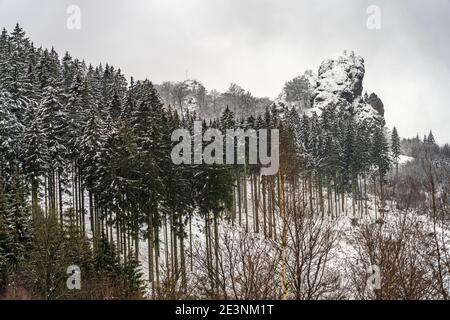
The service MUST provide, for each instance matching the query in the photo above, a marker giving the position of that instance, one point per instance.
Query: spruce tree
(381, 159)
(35, 155)
(430, 139)
(395, 146)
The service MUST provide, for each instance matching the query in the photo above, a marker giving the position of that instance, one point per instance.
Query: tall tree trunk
(283, 234)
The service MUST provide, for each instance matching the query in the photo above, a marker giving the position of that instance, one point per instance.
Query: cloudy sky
(260, 44)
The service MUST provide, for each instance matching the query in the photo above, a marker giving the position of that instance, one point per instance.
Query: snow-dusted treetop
(297, 93)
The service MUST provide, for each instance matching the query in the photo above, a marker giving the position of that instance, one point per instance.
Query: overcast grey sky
(260, 44)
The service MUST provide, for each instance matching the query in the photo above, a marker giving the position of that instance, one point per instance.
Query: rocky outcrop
(341, 79)
(376, 103)
(340, 84)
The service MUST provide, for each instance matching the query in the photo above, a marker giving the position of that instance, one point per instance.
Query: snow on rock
(340, 79)
(340, 83)
(376, 103)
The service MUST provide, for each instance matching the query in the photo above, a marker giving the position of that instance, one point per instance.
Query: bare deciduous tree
(248, 268)
(310, 243)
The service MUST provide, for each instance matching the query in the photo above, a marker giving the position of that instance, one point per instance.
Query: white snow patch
(405, 159)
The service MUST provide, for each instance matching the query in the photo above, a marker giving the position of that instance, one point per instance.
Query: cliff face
(340, 83)
(376, 103)
(339, 79)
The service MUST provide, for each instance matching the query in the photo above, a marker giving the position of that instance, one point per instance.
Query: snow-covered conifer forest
(356, 210)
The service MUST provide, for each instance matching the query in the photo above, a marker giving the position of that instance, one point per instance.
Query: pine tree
(4, 55)
(349, 161)
(91, 142)
(430, 139)
(35, 155)
(19, 227)
(15, 77)
(147, 123)
(395, 146)
(53, 126)
(380, 157)
(78, 101)
(10, 129)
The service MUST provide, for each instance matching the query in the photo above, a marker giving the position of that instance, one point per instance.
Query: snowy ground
(342, 255)
(404, 159)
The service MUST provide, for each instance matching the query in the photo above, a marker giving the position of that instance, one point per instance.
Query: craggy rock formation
(340, 84)
(376, 103)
